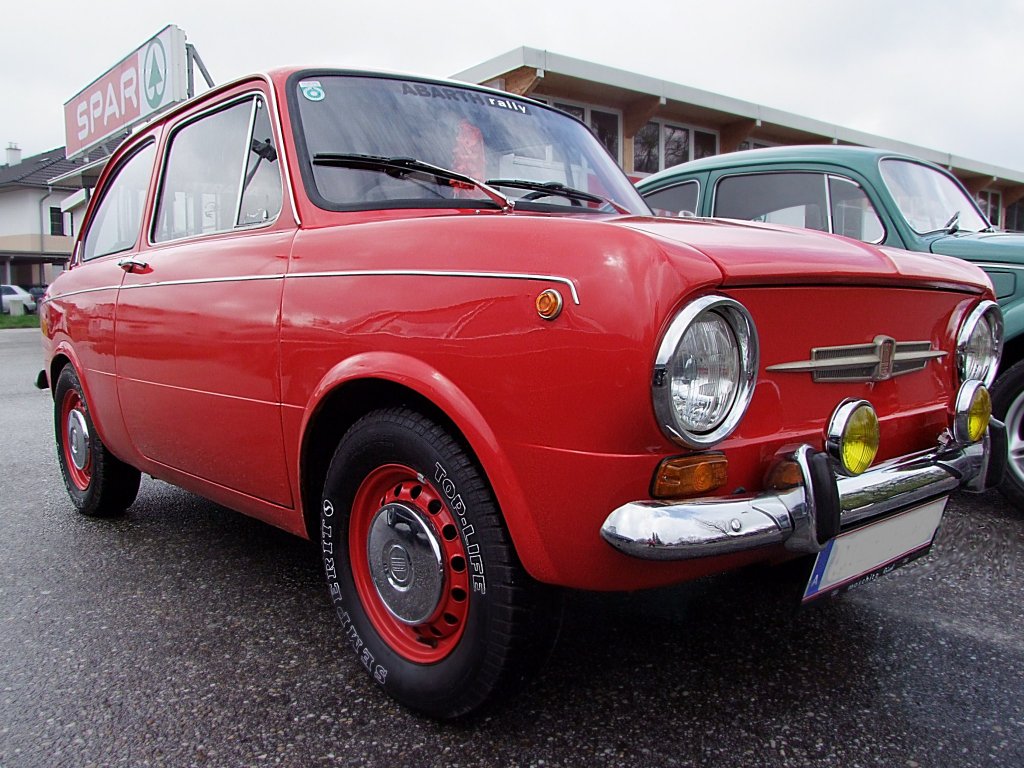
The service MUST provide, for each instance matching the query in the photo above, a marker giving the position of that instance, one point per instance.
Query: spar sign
(148, 80)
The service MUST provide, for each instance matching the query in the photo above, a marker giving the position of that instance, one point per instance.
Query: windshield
(929, 200)
(363, 134)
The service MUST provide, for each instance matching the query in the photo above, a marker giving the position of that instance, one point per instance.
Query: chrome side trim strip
(203, 281)
(443, 273)
(345, 273)
(997, 265)
(113, 287)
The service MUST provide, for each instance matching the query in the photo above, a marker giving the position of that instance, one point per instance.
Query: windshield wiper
(402, 167)
(556, 189)
(953, 224)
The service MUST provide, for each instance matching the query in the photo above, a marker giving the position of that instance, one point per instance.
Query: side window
(852, 212)
(794, 199)
(678, 200)
(261, 187)
(115, 225)
(218, 175)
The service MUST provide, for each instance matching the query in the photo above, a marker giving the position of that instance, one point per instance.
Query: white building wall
(20, 213)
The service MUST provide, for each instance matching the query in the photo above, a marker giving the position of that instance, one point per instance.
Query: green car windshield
(929, 200)
(372, 142)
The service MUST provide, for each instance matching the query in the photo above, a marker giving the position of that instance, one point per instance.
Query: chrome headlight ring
(979, 344)
(673, 360)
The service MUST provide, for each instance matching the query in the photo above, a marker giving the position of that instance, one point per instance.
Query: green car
(878, 197)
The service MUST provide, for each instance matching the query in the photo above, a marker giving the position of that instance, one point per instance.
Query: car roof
(854, 157)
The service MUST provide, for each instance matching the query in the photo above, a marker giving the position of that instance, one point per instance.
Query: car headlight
(705, 371)
(979, 344)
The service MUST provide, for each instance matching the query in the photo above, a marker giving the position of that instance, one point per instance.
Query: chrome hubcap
(405, 563)
(1014, 423)
(78, 439)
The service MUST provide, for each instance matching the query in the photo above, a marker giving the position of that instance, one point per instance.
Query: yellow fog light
(973, 412)
(852, 438)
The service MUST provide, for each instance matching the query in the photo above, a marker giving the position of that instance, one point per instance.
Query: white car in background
(8, 292)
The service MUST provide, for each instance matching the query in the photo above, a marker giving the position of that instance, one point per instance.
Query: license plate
(864, 554)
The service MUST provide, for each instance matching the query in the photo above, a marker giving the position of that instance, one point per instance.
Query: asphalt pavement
(185, 634)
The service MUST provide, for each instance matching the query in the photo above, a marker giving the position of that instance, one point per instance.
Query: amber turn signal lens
(785, 475)
(690, 475)
(549, 304)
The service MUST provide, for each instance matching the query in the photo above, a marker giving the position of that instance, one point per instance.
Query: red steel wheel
(76, 443)
(99, 484)
(409, 564)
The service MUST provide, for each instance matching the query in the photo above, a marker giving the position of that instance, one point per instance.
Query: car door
(81, 311)
(198, 315)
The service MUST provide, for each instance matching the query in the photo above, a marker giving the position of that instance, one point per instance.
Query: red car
(433, 327)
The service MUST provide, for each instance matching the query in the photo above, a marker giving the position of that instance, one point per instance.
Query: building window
(677, 144)
(990, 204)
(57, 222)
(661, 145)
(646, 149)
(704, 144)
(606, 126)
(603, 122)
(1015, 217)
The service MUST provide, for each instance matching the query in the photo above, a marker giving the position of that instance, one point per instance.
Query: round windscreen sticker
(312, 90)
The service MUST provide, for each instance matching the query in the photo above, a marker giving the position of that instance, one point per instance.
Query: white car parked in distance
(8, 292)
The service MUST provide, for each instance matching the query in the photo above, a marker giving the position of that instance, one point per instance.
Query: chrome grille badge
(880, 360)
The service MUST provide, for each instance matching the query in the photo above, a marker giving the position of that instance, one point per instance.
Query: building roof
(43, 170)
(36, 171)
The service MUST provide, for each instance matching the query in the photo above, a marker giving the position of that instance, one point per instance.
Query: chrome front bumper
(803, 518)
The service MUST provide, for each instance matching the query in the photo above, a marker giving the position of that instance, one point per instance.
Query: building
(36, 231)
(649, 124)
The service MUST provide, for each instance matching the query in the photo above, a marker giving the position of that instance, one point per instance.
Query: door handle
(133, 265)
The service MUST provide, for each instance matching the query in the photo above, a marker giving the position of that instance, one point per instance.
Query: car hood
(982, 246)
(749, 253)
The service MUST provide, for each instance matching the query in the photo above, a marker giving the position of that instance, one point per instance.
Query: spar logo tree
(154, 75)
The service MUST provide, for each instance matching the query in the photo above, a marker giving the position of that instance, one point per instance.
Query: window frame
(168, 143)
(57, 222)
(826, 176)
(82, 242)
(672, 186)
(662, 122)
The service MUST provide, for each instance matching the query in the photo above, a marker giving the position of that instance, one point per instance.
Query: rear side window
(115, 225)
(852, 212)
(793, 199)
(678, 200)
(221, 173)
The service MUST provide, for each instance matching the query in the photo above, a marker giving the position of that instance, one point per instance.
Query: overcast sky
(936, 73)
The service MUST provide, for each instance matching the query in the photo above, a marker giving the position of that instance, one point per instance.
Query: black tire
(99, 484)
(405, 502)
(1008, 407)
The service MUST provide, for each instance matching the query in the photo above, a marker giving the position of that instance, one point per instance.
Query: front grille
(879, 360)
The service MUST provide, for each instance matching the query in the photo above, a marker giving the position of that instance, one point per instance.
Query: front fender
(429, 383)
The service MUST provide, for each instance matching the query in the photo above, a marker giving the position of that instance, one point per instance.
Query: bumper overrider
(805, 517)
